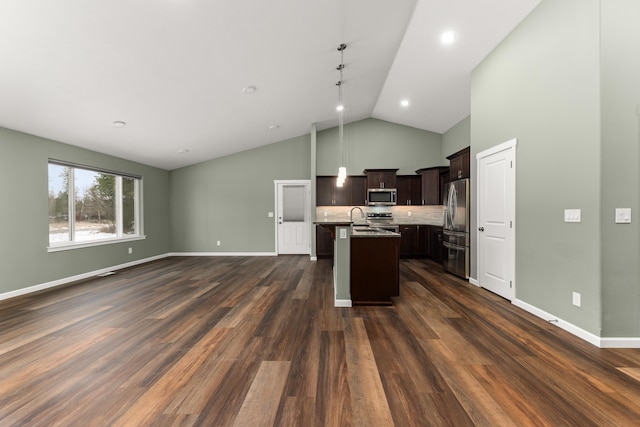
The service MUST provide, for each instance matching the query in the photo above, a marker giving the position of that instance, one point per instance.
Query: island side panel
(341, 267)
(375, 270)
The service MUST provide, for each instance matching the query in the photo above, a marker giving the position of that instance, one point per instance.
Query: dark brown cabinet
(381, 178)
(435, 248)
(324, 242)
(352, 193)
(409, 189)
(375, 270)
(432, 184)
(358, 190)
(413, 241)
(460, 164)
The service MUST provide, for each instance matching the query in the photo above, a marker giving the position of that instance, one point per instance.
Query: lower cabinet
(435, 248)
(413, 241)
(324, 242)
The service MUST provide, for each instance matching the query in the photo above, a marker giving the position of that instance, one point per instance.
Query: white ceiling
(174, 70)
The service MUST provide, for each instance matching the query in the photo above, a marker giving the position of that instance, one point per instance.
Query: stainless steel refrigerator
(456, 228)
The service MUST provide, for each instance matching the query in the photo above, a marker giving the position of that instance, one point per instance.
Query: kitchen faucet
(351, 213)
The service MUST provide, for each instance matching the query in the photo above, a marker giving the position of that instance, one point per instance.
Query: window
(89, 206)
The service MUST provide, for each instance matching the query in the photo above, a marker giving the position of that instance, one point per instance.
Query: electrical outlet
(325, 213)
(130, 250)
(409, 213)
(343, 233)
(218, 243)
(577, 299)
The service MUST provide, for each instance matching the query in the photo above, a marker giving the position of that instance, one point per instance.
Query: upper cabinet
(460, 164)
(409, 189)
(352, 193)
(432, 184)
(381, 178)
(358, 190)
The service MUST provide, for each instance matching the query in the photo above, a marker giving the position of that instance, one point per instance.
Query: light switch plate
(623, 216)
(270, 214)
(572, 215)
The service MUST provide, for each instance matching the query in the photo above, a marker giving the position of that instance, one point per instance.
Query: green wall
(228, 199)
(373, 144)
(620, 165)
(24, 260)
(541, 85)
(456, 138)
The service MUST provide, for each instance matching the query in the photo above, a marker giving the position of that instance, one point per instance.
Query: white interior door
(496, 219)
(294, 217)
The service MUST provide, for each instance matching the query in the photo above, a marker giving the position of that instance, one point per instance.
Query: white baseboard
(622, 342)
(562, 324)
(474, 282)
(64, 281)
(609, 342)
(314, 258)
(342, 303)
(223, 254)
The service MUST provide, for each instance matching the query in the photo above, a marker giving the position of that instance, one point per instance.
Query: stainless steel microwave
(382, 196)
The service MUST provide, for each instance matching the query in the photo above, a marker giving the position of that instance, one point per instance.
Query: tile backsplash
(431, 215)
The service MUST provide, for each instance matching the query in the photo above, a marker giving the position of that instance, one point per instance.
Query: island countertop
(372, 232)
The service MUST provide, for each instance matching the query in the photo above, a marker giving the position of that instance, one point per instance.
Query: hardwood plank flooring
(256, 341)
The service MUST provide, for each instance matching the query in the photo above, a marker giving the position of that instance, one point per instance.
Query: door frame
(508, 145)
(276, 205)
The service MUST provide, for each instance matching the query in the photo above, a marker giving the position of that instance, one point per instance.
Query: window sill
(80, 245)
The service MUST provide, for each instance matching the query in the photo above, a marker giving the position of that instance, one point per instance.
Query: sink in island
(366, 264)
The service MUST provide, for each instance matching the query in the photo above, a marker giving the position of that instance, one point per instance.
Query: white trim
(632, 342)
(498, 148)
(276, 207)
(562, 324)
(314, 258)
(474, 282)
(342, 303)
(511, 208)
(78, 245)
(64, 281)
(223, 254)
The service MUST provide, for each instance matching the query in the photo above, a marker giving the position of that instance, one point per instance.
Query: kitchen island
(381, 255)
(375, 266)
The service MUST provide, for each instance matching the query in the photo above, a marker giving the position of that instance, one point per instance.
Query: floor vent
(108, 273)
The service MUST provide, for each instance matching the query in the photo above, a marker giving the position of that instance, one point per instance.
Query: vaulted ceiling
(178, 72)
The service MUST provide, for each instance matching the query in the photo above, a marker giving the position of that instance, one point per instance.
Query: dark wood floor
(256, 341)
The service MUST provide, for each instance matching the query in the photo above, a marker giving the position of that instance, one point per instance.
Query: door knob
(481, 228)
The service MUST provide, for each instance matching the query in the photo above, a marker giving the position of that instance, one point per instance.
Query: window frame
(120, 236)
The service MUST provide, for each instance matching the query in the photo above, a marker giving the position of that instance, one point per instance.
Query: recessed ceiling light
(404, 102)
(249, 90)
(274, 127)
(448, 37)
(119, 124)
(183, 151)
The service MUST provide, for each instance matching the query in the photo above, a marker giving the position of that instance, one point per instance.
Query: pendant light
(342, 170)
